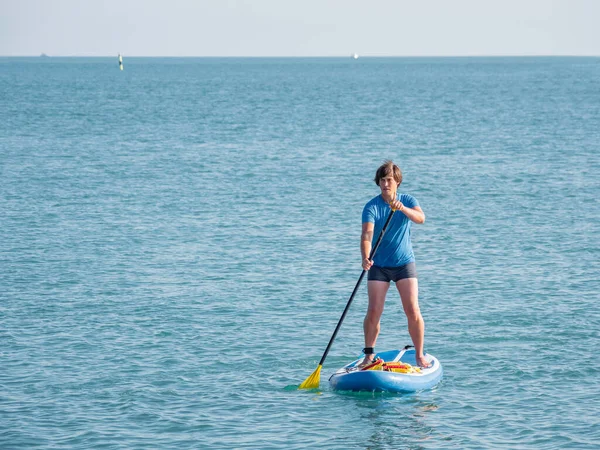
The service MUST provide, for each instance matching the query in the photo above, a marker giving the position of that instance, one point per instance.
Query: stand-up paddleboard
(397, 372)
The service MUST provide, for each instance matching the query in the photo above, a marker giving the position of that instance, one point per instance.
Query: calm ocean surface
(179, 240)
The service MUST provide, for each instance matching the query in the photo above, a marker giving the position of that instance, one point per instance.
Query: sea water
(179, 239)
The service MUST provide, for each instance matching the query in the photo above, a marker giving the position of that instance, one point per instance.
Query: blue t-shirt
(395, 249)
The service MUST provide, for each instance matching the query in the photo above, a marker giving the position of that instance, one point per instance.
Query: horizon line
(349, 55)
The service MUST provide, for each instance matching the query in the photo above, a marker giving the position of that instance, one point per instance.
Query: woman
(394, 259)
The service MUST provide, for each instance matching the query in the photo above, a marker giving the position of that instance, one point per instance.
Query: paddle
(313, 380)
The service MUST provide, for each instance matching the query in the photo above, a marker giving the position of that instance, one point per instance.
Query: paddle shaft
(362, 275)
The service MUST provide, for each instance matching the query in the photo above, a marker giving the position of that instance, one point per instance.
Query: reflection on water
(394, 420)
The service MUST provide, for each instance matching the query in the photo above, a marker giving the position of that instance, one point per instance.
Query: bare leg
(377, 291)
(408, 289)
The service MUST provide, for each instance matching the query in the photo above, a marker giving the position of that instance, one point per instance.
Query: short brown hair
(386, 169)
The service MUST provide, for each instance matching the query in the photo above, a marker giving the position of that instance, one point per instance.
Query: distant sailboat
(120, 62)
(355, 56)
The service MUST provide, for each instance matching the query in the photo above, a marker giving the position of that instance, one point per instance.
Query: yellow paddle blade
(312, 382)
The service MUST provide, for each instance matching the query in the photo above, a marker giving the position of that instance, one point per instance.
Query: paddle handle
(362, 275)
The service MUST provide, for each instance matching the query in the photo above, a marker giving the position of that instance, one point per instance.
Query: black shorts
(394, 274)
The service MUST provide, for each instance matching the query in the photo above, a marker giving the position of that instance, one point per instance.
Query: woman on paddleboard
(394, 260)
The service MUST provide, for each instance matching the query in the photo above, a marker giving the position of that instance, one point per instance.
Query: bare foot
(365, 362)
(423, 362)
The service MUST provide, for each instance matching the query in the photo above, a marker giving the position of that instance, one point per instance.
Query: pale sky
(299, 27)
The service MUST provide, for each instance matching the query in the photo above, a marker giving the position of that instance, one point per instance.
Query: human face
(388, 186)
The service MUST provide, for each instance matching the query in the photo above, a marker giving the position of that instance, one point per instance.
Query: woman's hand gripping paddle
(312, 382)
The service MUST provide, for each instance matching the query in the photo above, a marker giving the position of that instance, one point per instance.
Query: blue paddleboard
(350, 378)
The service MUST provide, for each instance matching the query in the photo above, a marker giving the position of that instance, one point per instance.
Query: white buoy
(120, 62)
